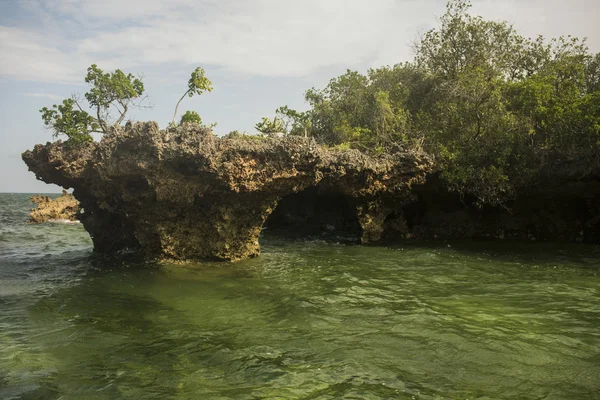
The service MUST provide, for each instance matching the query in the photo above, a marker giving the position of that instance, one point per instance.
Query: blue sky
(260, 54)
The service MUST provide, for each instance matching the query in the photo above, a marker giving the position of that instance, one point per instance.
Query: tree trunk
(177, 106)
(122, 117)
(101, 121)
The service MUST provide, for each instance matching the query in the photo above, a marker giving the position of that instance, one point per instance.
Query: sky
(259, 54)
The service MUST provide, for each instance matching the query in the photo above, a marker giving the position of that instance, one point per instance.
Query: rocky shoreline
(186, 194)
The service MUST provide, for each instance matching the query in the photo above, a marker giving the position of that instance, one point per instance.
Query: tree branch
(75, 98)
(122, 117)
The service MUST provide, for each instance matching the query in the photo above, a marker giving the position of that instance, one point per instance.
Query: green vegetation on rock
(492, 106)
(190, 117)
(64, 119)
(270, 127)
(197, 84)
(109, 91)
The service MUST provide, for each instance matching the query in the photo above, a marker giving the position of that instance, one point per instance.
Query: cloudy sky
(260, 54)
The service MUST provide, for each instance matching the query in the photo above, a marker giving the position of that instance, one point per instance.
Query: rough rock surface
(186, 194)
(66, 207)
(561, 206)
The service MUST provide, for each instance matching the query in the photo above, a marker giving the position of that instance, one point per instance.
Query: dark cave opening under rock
(315, 213)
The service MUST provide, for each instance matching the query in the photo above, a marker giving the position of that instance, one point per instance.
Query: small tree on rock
(111, 90)
(190, 117)
(295, 122)
(64, 119)
(197, 84)
(270, 127)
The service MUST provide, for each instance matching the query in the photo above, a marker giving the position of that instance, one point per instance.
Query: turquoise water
(305, 320)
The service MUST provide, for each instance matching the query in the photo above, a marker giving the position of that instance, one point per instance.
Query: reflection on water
(306, 320)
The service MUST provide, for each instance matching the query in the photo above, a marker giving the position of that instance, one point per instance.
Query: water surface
(305, 320)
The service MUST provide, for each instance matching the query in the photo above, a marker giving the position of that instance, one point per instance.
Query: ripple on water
(307, 319)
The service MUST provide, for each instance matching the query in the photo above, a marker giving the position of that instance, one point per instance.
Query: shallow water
(305, 320)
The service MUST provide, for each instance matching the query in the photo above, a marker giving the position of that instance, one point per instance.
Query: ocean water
(307, 319)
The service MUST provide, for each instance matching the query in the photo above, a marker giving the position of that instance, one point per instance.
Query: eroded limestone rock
(186, 194)
(63, 208)
(371, 216)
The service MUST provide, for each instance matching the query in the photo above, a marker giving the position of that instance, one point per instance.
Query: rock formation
(65, 207)
(561, 205)
(186, 194)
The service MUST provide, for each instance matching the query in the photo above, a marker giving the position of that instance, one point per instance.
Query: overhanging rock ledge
(186, 194)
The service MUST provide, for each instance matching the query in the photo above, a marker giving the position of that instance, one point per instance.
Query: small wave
(63, 221)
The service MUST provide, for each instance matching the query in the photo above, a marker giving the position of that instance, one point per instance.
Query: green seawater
(307, 319)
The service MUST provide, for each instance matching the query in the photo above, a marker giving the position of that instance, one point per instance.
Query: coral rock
(63, 208)
(186, 194)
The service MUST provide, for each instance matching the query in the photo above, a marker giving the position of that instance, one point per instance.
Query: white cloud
(27, 55)
(44, 95)
(551, 18)
(261, 38)
(256, 37)
(86, 10)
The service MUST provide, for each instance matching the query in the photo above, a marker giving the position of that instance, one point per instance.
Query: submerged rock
(63, 208)
(186, 194)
